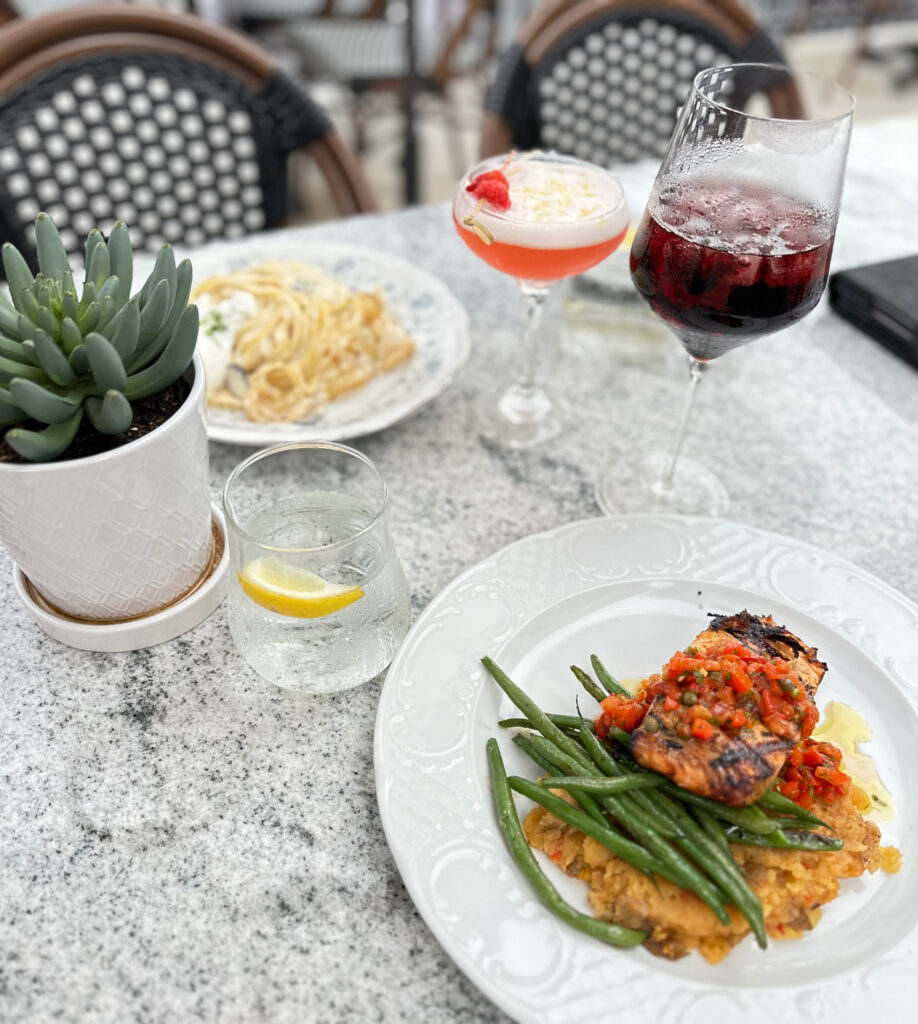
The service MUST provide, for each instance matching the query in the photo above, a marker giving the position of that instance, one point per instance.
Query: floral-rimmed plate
(634, 589)
(422, 304)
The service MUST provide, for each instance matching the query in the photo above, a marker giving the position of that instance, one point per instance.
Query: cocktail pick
(490, 187)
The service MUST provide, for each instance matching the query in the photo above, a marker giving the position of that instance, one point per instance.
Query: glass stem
(534, 297)
(696, 368)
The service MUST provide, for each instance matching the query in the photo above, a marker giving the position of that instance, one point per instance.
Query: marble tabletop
(179, 841)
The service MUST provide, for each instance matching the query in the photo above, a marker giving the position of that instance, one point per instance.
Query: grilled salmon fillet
(734, 767)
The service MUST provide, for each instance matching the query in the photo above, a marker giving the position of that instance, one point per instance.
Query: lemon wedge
(289, 590)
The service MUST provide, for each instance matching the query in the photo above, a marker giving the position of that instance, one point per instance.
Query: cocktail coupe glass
(734, 244)
(564, 216)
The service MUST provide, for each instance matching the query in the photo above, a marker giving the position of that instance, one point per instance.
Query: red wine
(723, 264)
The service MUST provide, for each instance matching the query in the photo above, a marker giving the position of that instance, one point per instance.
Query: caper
(689, 698)
(787, 685)
(651, 725)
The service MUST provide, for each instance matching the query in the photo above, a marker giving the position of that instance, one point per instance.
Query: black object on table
(882, 300)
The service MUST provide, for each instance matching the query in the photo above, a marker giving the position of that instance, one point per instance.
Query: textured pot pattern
(121, 533)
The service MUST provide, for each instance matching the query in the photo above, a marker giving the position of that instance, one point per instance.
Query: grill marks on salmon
(733, 768)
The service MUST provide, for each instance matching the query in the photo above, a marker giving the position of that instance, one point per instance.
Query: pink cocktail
(557, 217)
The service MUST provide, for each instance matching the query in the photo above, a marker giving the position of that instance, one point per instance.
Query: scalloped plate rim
(484, 983)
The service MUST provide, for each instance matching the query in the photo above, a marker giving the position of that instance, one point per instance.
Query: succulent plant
(63, 355)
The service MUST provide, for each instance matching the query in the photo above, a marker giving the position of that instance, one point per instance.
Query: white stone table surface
(181, 842)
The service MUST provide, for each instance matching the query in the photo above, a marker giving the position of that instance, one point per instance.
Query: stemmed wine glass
(539, 217)
(734, 244)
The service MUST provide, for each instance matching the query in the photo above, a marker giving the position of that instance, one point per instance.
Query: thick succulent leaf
(70, 305)
(126, 335)
(10, 369)
(110, 415)
(52, 360)
(87, 299)
(163, 270)
(26, 328)
(10, 412)
(45, 445)
(153, 314)
(147, 353)
(44, 293)
(29, 305)
(79, 360)
(99, 265)
(9, 319)
(18, 276)
(106, 313)
(49, 323)
(12, 349)
(93, 239)
(43, 405)
(71, 335)
(88, 320)
(122, 261)
(172, 361)
(105, 363)
(108, 287)
(52, 256)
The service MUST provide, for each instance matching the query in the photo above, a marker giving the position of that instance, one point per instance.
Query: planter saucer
(143, 631)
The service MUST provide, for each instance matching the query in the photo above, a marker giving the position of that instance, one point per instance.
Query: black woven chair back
(181, 151)
(611, 89)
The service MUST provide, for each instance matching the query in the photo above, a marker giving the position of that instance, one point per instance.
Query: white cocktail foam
(553, 205)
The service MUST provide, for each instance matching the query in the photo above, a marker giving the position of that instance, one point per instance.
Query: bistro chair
(179, 128)
(603, 80)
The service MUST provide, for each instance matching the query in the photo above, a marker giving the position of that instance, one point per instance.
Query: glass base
(522, 418)
(627, 487)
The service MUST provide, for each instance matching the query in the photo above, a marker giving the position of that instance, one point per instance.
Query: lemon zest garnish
(291, 591)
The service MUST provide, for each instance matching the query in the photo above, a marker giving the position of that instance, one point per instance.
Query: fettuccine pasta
(305, 340)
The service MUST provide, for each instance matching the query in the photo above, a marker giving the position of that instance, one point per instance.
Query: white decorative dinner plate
(420, 302)
(634, 590)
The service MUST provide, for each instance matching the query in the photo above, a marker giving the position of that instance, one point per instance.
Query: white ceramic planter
(119, 534)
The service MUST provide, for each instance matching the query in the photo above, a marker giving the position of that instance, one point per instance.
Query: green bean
(641, 827)
(587, 683)
(627, 849)
(528, 747)
(772, 800)
(567, 722)
(532, 711)
(571, 765)
(593, 784)
(663, 823)
(558, 762)
(791, 822)
(749, 818)
(620, 736)
(606, 931)
(785, 839)
(691, 838)
(586, 801)
(561, 721)
(660, 823)
(606, 678)
(722, 868)
(710, 824)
